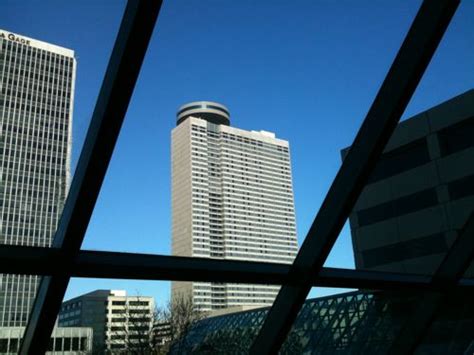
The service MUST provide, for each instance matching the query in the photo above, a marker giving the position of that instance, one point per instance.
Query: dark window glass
(429, 245)
(3, 345)
(121, 320)
(118, 303)
(138, 328)
(58, 344)
(415, 202)
(13, 345)
(141, 319)
(117, 328)
(376, 214)
(138, 303)
(398, 207)
(462, 187)
(83, 344)
(145, 311)
(75, 344)
(67, 344)
(401, 159)
(457, 137)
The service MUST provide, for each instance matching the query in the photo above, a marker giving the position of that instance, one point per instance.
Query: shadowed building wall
(421, 192)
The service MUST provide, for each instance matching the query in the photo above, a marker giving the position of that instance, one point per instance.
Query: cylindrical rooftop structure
(206, 110)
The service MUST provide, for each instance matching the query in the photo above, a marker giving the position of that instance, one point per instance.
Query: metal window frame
(66, 259)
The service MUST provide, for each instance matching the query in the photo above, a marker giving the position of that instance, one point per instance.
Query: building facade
(64, 341)
(420, 194)
(36, 102)
(118, 321)
(232, 198)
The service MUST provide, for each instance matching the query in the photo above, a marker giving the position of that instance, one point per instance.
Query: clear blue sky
(306, 70)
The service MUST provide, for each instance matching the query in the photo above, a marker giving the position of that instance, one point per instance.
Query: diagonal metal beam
(122, 72)
(450, 271)
(114, 265)
(403, 77)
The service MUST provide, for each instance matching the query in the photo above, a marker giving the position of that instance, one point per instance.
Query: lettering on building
(14, 38)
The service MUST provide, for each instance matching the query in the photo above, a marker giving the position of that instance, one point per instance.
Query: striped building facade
(232, 198)
(36, 102)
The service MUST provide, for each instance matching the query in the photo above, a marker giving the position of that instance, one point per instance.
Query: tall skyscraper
(232, 198)
(36, 99)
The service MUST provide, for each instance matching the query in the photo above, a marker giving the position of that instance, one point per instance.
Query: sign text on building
(14, 38)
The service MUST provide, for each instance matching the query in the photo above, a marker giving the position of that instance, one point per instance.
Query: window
(67, 344)
(75, 344)
(83, 344)
(3, 345)
(429, 245)
(118, 303)
(401, 159)
(457, 137)
(398, 207)
(58, 344)
(461, 188)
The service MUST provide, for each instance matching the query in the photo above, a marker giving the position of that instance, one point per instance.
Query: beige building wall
(181, 192)
(232, 198)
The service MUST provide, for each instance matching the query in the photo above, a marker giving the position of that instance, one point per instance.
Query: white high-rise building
(232, 198)
(36, 100)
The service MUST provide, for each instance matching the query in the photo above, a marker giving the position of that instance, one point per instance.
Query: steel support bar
(403, 77)
(114, 265)
(122, 72)
(450, 271)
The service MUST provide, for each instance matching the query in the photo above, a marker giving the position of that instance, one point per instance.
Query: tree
(151, 332)
(178, 317)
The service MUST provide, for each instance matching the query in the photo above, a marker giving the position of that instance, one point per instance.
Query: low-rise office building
(119, 321)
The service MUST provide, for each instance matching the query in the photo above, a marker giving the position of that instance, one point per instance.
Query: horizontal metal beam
(114, 265)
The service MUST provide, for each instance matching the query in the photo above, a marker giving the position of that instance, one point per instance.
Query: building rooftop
(36, 43)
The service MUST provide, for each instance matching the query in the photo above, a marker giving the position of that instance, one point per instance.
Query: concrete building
(64, 341)
(161, 334)
(421, 192)
(232, 198)
(118, 321)
(36, 101)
